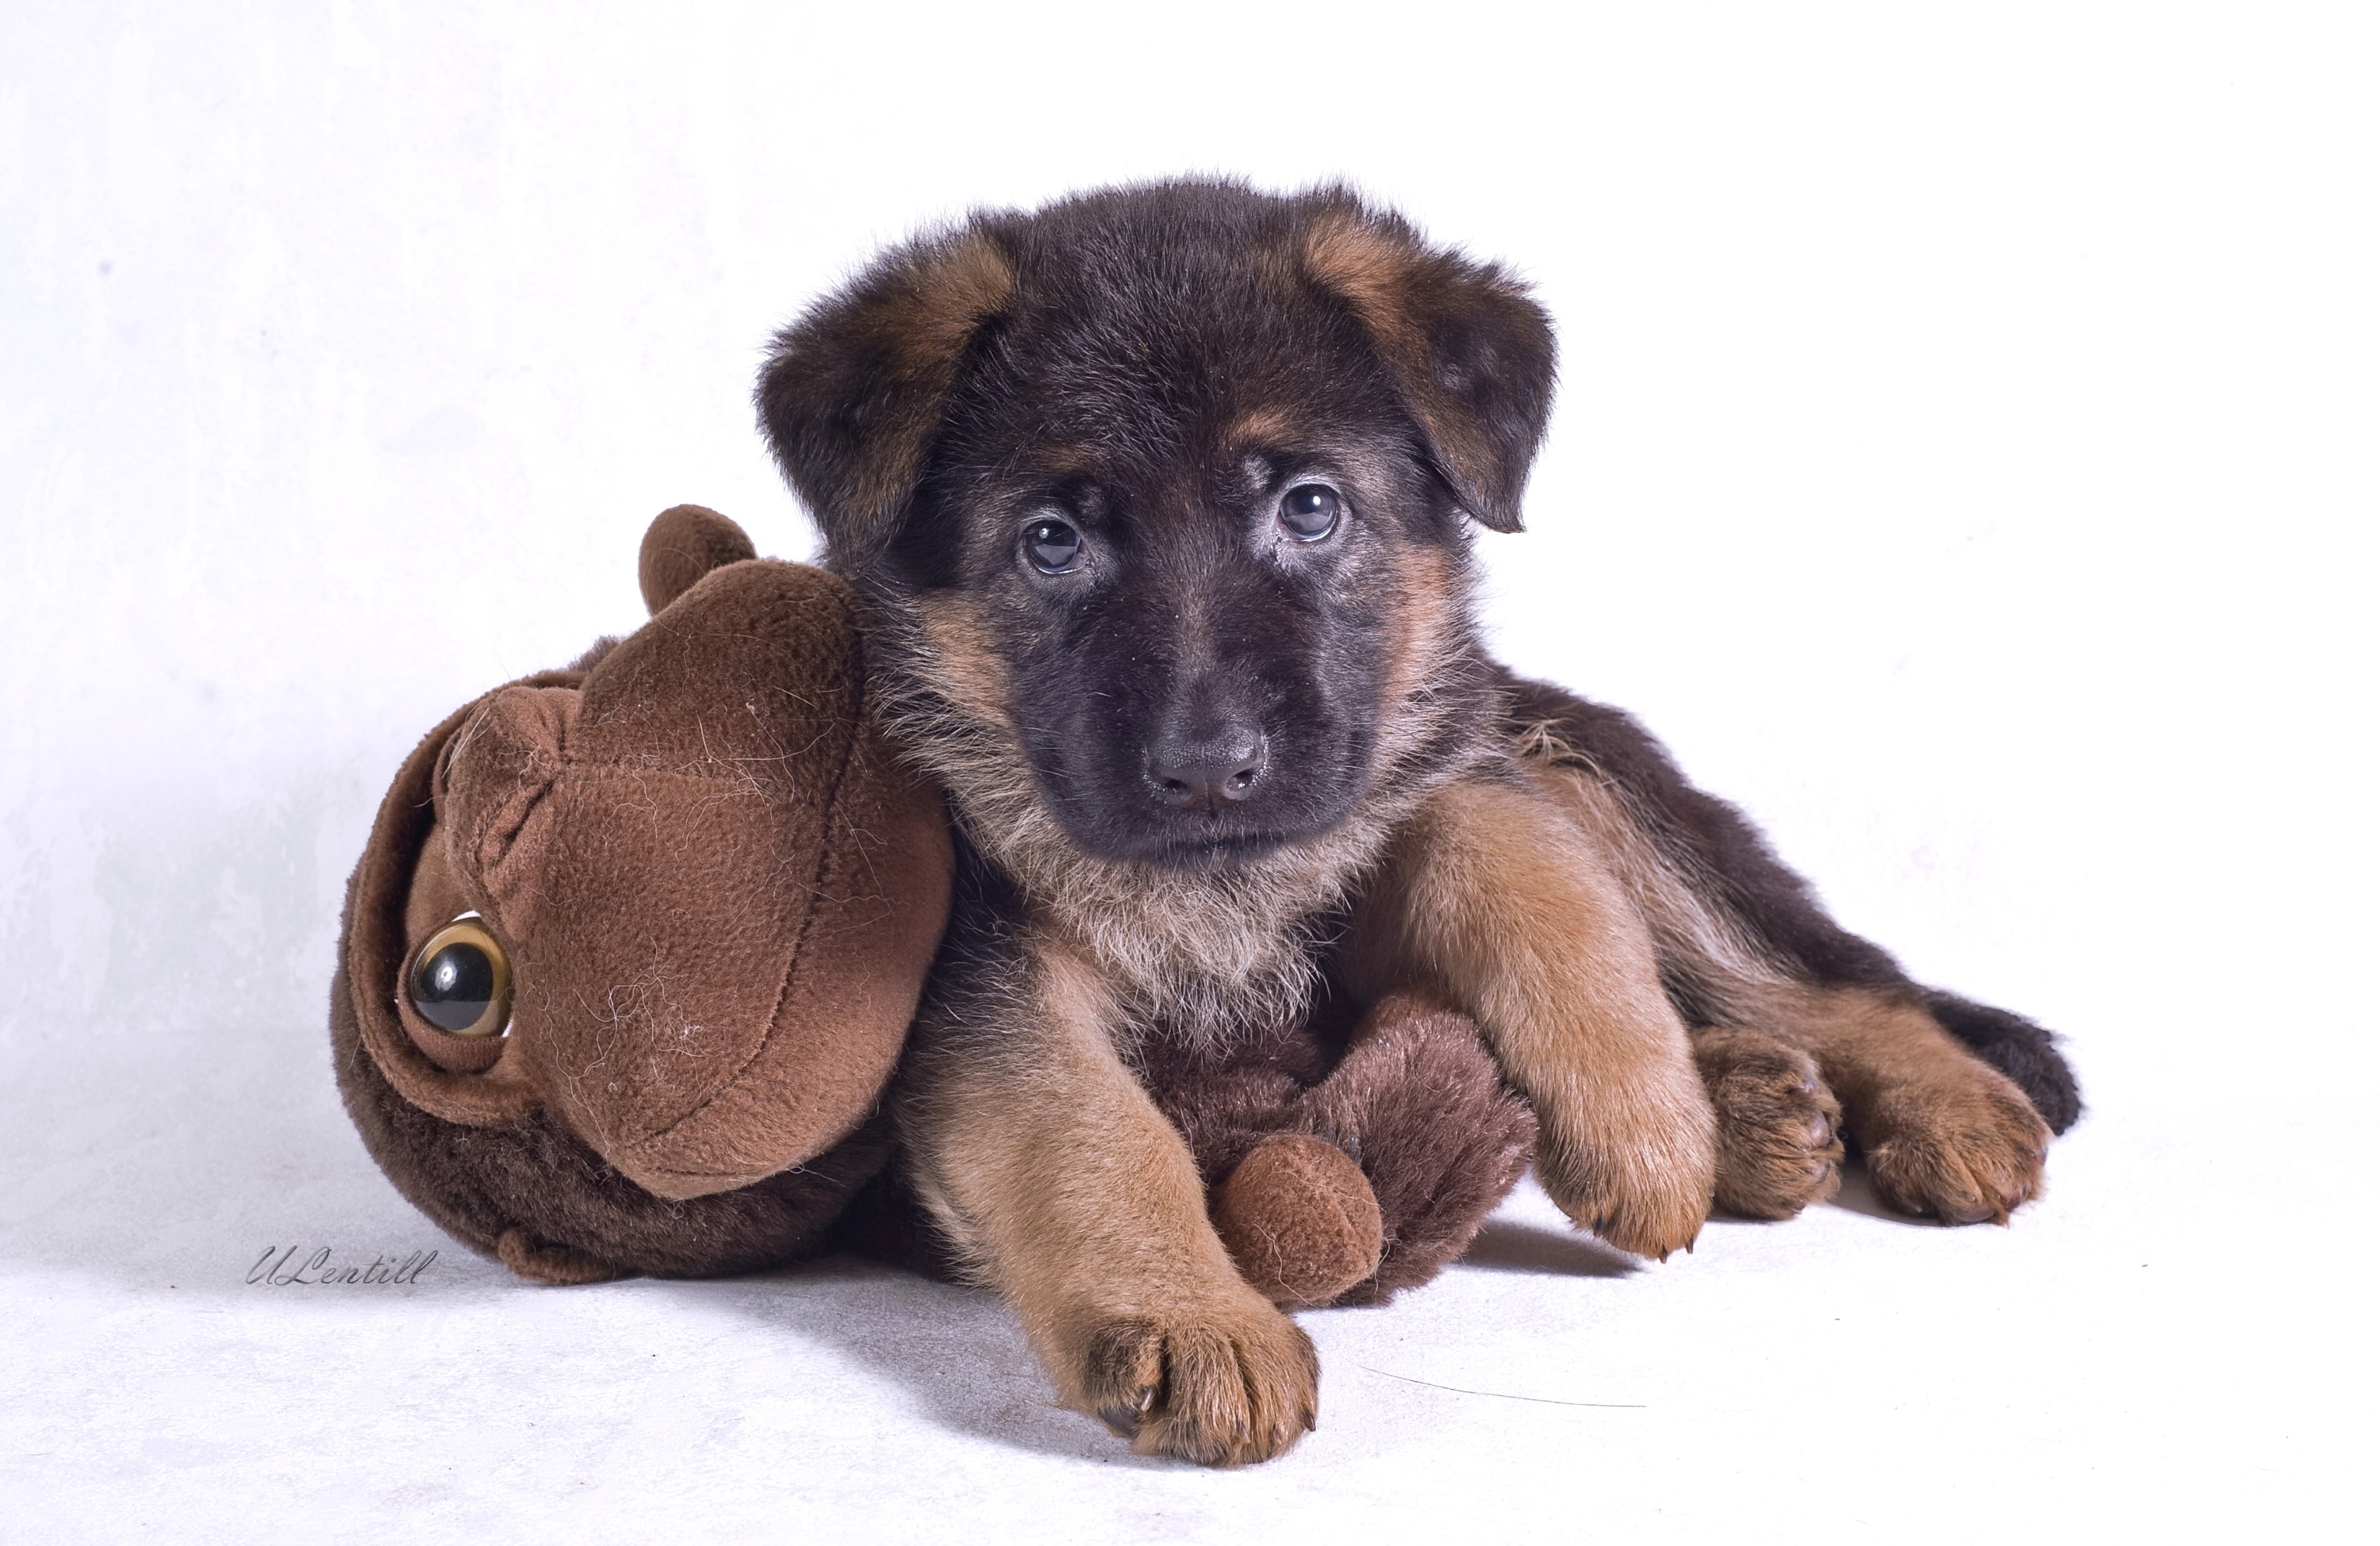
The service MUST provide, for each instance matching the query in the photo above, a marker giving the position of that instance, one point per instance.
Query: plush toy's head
(674, 905)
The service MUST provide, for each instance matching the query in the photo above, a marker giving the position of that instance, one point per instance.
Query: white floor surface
(2122, 1357)
(1964, 459)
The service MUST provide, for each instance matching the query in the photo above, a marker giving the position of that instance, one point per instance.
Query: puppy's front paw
(1778, 1151)
(1635, 1168)
(1962, 1151)
(1224, 1385)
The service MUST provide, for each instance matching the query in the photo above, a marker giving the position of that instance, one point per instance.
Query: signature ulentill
(318, 1268)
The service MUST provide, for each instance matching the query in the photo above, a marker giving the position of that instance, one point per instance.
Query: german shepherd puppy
(1159, 500)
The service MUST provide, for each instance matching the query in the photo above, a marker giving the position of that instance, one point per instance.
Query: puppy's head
(1165, 490)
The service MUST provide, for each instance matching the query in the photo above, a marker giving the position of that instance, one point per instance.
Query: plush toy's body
(627, 967)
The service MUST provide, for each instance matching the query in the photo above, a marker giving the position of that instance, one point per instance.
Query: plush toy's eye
(460, 981)
(1053, 546)
(1310, 511)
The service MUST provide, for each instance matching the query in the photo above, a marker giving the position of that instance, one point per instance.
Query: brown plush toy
(628, 961)
(634, 945)
(1343, 1167)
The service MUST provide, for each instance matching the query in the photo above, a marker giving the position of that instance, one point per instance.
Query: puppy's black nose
(1194, 771)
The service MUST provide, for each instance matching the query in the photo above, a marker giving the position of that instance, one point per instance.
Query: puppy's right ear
(853, 393)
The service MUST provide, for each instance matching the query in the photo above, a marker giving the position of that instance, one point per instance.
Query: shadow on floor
(1504, 1246)
(957, 1354)
(961, 1357)
(1858, 1196)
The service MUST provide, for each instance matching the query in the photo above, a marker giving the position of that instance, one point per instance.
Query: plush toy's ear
(854, 392)
(685, 542)
(1470, 351)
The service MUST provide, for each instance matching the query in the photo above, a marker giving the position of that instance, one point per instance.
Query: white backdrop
(1966, 460)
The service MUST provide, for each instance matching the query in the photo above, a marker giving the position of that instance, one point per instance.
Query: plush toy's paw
(558, 1266)
(1440, 1137)
(1222, 1384)
(1633, 1162)
(1778, 1147)
(1962, 1149)
(1300, 1221)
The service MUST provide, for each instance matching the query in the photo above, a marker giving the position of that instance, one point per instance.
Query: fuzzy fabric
(717, 895)
(1415, 1101)
(684, 543)
(719, 892)
(1299, 1219)
(530, 1194)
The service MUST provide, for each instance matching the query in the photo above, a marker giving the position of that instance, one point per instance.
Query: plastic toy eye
(1310, 511)
(461, 981)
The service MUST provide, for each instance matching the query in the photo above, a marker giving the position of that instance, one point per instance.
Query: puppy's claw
(1122, 1418)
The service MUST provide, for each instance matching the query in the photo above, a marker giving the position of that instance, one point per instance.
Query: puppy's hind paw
(1779, 1144)
(1963, 1155)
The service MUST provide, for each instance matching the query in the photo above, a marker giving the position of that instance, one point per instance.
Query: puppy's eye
(1310, 511)
(461, 981)
(1053, 547)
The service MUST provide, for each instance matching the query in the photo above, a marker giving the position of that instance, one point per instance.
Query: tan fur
(972, 279)
(1430, 612)
(1515, 877)
(1945, 1133)
(970, 673)
(1682, 920)
(1519, 916)
(1049, 1165)
(1526, 915)
(1045, 1163)
(925, 327)
(1380, 274)
(1356, 259)
(1260, 428)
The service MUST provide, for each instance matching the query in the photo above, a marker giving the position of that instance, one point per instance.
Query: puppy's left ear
(854, 392)
(1472, 355)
